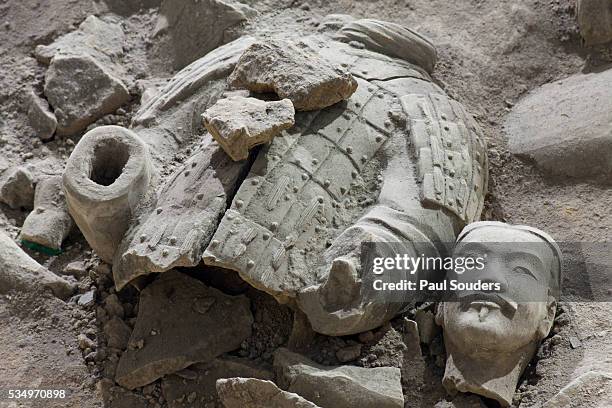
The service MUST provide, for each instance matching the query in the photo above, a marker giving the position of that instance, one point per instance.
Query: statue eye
(523, 271)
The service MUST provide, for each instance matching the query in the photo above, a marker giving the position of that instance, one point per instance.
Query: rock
(302, 335)
(349, 353)
(106, 176)
(17, 188)
(41, 118)
(85, 342)
(83, 82)
(566, 126)
(188, 29)
(103, 39)
(171, 316)
(462, 401)
(88, 298)
(293, 71)
(78, 269)
(117, 333)
(391, 39)
(254, 393)
(50, 222)
(177, 228)
(340, 386)
(239, 124)
(82, 90)
(595, 21)
(113, 306)
(591, 389)
(428, 329)
(20, 272)
(202, 377)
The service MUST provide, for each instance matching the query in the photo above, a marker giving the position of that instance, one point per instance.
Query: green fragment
(40, 248)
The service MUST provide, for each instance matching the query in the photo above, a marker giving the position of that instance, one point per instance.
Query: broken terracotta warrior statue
(387, 157)
(490, 338)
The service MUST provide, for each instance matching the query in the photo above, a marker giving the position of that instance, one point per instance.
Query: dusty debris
(565, 126)
(201, 379)
(20, 272)
(349, 353)
(591, 389)
(428, 329)
(340, 386)
(391, 39)
(239, 124)
(595, 20)
(254, 393)
(78, 269)
(188, 31)
(106, 176)
(170, 324)
(292, 71)
(17, 187)
(41, 118)
(87, 299)
(50, 223)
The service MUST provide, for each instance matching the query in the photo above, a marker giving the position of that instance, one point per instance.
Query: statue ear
(440, 314)
(549, 318)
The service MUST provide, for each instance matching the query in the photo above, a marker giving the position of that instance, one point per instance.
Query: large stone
(595, 20)
(238, 123)
(566, 126)
(253, 393)
(592, 389)
(20, 272)
(293, 71)
(181, 322)
(17, 188)
(84, 82)
(82, 90)
(188, 29)
(117, 333)
(198, 382)
(391, 39)
(41, 118)
(50, 223)
(340, 386)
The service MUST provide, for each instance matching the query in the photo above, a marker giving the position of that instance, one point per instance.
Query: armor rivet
(274, 226)
(194, 164)
(354, 174)
(349, 149)
(239, 203)
(315, 161)
(304, 176)
(143, 238)
(378, 139)
(200, 196)
(165, 252)
(446, 128)
(298, 162)
(364, 158)
(255, 182)
(173, 240)
(250, 263)
(342, 190)
(265, 236)
(320, 199)
(159, 210)
(214, 243)
(186, 173)
(327, 183)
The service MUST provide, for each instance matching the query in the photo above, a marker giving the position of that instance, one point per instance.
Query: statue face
(522, 312)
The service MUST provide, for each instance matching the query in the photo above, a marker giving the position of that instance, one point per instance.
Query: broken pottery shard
(595, 21)
(340, 386)
(184, 218)
(391, 39)
(82, 90)
(17, 188)
(84, 82)
(293, 71)
(189, 29)
(199, 380)
(106, 176)
(591, 390)
(566, 126)
(41, 118)
(20, 272)
(103, 39)
(239, 123)
(253, 393)
(181, 322)
(50, 223)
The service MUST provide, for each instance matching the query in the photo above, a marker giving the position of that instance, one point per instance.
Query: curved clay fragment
(391, 39)
(106, 176)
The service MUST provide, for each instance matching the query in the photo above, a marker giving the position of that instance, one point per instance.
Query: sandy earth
(491, 52)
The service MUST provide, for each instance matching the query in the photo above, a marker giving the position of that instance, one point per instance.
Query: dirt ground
(491, 53)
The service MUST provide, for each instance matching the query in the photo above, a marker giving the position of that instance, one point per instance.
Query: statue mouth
(483, 303)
